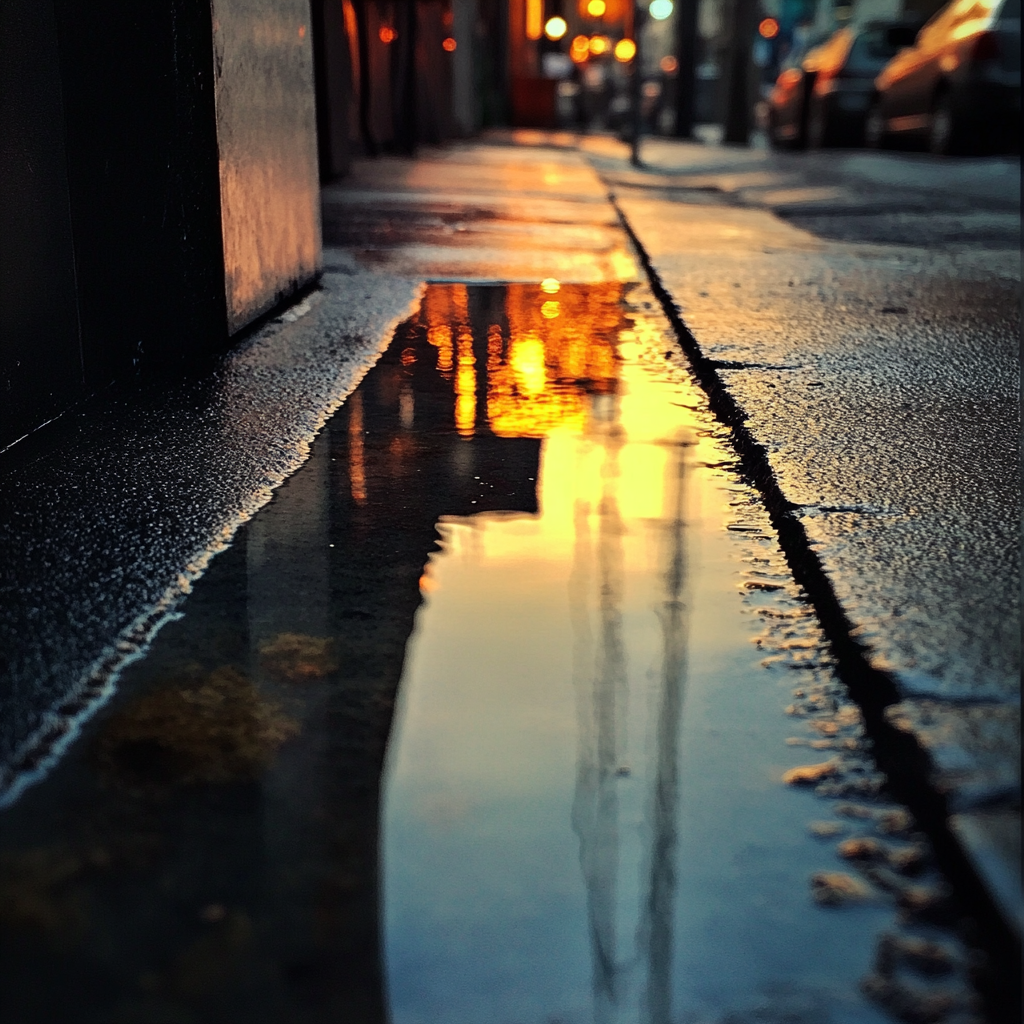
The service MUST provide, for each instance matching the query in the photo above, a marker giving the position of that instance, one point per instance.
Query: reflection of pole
(600, 681)
(686, 72)
(636, 84)
(656, 929)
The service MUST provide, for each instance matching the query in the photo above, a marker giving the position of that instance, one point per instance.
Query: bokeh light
(579, 49)
(596, 8)
(660, 9)
(449, 44)
(669, 65)
(599, 45)
(555, 28)
(625, 50)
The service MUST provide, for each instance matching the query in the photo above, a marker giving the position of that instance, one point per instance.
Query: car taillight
(987, 47)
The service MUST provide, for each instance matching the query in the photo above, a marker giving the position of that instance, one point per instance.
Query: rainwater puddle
(485, 718)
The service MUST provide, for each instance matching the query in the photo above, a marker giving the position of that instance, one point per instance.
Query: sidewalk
(876, 386)
(887, 456)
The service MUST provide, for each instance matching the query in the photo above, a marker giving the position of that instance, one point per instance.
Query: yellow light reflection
(552, 364)
(465, 387)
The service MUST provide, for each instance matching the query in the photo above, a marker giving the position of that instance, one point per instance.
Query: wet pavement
(624, 778)
(506, 707)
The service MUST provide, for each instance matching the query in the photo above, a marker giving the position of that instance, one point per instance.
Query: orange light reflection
(356, 466)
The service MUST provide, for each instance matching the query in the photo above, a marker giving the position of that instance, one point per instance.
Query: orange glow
(302, 31)
(579, 49)
(465, 387)
(540, 380)
(441, 338)
(625, 50)
(555, 28)
(408, 356)
(449, 44)
(669, 65)
(769, 28)
(534, 19)
(356, 467)
(387, 34)
(542, 373)
(599, 45)
(596, 8)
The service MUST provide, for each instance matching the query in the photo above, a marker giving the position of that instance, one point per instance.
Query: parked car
(787, 102)
(824, 98)
(957, 89)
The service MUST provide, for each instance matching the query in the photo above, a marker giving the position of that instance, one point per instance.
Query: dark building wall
(142, 167)
(139, 145)
(40, 354)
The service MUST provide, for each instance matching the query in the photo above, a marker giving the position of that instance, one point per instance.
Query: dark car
(787, 104)
(823, 93)
(957, 89)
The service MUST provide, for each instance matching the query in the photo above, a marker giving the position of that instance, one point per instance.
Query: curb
(964, 853)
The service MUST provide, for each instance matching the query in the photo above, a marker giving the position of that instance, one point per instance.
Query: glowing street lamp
(555, 28)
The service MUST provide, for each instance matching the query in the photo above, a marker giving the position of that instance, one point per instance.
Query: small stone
(895, 822)
(861, 848)
(834, 888)
(809, 774)
(854, 811)
(908, 861)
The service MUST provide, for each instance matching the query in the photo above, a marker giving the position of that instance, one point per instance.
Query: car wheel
(817, 127)
(874, 127)
(944, 131)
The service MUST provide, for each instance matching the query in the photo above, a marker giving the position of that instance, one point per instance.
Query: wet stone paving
(505, 709)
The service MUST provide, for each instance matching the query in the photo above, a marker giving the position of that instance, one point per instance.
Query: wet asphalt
(913, 528)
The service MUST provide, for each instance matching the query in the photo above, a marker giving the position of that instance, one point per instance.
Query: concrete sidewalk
(871, 390)
(876, 386)
(871, 385)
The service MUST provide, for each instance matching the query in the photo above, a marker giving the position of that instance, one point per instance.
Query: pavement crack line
(906, 763)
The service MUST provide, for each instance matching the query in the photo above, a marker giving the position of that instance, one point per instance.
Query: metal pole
(635, 84)
(686, 72)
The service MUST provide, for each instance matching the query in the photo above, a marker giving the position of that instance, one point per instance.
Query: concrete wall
(132, 164)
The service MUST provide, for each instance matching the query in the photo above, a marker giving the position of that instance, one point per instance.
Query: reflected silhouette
(657, 923)
(601, 686)
(600, 681)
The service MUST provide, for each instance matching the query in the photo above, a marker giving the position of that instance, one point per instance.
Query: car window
(1010, 9)
(871, 50)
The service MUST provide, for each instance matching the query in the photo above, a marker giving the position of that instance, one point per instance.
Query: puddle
(506, 708)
